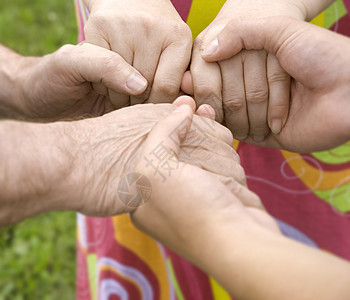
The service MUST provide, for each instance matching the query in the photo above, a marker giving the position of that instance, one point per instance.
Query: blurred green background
(37, 256)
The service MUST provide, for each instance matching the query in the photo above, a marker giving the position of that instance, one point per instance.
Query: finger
(187, 84)
(95, 64)
(95, 37)
(256, 91)
(186, 100)
(279, 94)
(170, 132)
(146, 60)
(289, 39)
(233, 94)
(206, 128)
(213, 144)
(206, 111)
(206, 82)
(214, 163)
(172, 65)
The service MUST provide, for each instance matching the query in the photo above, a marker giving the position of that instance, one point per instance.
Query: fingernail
(276, 126)
(241, 137)
(136, 83)
(258, 138)
(212, 48)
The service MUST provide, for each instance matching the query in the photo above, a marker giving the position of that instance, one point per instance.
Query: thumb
(264, 33)
(96, 64)
(169, 133)
(187, 83)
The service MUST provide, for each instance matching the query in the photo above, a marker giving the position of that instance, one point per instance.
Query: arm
(311, 8)
(253, 263)
(34, 170)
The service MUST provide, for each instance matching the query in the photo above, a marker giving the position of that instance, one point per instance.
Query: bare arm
(311, 8)
(34, 170)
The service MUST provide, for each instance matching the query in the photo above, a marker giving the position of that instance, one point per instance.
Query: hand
(318, 61)
(109, 147)
(72, 82)
(250, 90)
(151, 36)
(181, 209)
(223, 229)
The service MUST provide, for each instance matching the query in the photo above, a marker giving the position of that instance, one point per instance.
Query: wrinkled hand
(72, 82)
(108, 148)
(149, 35)
(250, 91)
(318, 61)
(190, 204)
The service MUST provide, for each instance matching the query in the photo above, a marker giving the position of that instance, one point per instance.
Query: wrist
(259, 9)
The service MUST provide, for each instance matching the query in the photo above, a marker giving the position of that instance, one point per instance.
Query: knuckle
(62, 57)
(98, 19)
(167, 87)
(278, 76)
(257, 96)
(205, 94)
(199, 42)
(234, 104)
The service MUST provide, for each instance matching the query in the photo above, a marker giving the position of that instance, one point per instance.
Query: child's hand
(250, 90)
(151, 36)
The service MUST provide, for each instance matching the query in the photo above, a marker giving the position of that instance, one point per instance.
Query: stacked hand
(71, 82)
(319, 108)
(150, 36)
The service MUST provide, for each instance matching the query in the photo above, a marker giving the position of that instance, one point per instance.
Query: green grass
(37, 256)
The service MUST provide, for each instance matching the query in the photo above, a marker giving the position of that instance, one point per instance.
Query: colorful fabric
(309, 195)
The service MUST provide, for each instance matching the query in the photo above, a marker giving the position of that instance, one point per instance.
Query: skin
(238, 244)
(149, 35)
(318, 61)
(249, 91)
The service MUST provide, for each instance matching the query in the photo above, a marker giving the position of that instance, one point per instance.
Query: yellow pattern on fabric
(202, 13)
(314, 178)
(218, 291)
(92, 263)
(145, 248)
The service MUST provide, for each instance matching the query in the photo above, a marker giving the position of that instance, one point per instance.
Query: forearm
(300, 9)
(253, 263)
(34, 170)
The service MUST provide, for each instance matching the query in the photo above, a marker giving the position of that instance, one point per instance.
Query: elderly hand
(151, 36)
(250, 90)
(80, 165)
(72, 82)
(318, 61)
